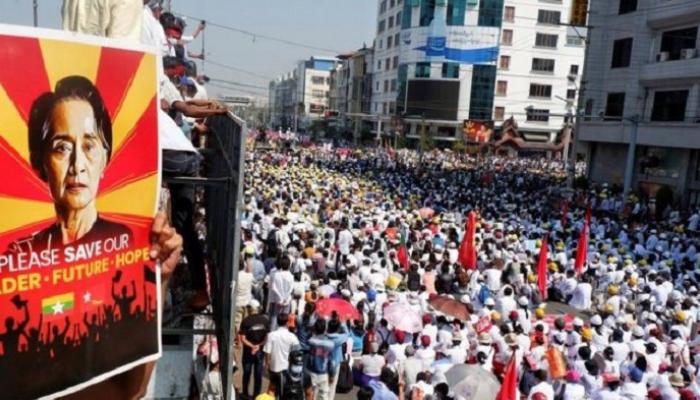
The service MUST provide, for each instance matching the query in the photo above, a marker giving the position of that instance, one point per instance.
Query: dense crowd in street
(353, 273)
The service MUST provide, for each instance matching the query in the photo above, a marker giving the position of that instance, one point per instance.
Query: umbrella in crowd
(403, 317)
(450, 306)
(345, 311)
(471, 382)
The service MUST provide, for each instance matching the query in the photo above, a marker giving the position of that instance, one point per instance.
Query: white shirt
(543, 387)
(281, 285)
(344, 241)
(278, 346)
(581, 297)
(244, 288)
(171, 136)
(152, 32)
(372, 364)
(574, 391)
(109, 18)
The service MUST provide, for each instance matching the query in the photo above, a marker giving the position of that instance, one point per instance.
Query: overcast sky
(338, 25)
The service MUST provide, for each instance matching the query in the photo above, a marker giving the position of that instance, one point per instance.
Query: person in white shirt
(543, 387)
(581, 296)
(108, 18)
(280, 343)
(280, 293)
(244, 293)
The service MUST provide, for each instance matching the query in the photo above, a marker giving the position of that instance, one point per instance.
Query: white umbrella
(472, 382)
(402, 317)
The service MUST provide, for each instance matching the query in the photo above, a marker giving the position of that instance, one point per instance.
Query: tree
(459, 145)
(426, 142)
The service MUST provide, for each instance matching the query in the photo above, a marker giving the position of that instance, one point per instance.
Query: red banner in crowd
(79, 161)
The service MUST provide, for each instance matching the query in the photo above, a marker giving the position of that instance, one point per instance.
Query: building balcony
(675, 71)
(670, 13)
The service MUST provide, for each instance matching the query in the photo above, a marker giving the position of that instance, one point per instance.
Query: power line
(237, 69)
(256, 36)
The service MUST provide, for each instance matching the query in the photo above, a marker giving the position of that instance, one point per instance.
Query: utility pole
(36, 13)
(631, 153)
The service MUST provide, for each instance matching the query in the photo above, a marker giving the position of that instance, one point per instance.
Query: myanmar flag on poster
(77, 306)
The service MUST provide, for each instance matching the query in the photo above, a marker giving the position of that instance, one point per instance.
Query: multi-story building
(302, 96)
(489, 60)
(642, 96)
(351, 84)
(385, 65)
(539, 67)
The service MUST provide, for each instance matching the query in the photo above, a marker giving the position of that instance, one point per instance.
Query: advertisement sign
(579, 13)
(477, 131)
(441, 43)
(79, 161)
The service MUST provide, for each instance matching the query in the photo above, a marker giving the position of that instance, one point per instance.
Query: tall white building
(484, 60)
(301, 96)
(643, 88)
(539, 67)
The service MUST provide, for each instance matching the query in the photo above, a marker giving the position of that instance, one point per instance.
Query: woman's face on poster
(75, 157)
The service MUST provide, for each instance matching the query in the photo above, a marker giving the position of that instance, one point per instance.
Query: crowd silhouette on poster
(76, 347)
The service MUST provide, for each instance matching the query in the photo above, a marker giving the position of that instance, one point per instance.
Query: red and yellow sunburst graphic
(127, 82)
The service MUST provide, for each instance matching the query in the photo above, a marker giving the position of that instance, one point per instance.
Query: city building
(300, 97)
(539, 68)
(483, 60)
(351, 93)
(642, 96)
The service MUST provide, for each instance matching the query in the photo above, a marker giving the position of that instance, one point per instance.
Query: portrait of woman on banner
(70, 145)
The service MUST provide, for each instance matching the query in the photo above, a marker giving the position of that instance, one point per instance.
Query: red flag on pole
(467, 251)
(402, 254)
(581, 250)
(542, 268)
(509, 387)
(588, 215)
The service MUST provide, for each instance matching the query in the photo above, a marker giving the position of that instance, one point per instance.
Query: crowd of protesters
(383, 230)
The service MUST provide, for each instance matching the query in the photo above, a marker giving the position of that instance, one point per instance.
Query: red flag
(402, 255)
(588, 215)
(564, 212)
(581, 250)
(509, 387)
(542, 268)
(467, 251)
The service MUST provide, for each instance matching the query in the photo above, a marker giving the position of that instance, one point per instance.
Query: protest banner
(79, 162)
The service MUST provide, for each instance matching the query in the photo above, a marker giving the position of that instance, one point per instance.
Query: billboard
(432, 99)
(477, 131)
(79, 156)
(458, 44)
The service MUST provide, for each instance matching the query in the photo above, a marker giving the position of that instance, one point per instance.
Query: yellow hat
(560, 246)
(680, 316)
(532, 278)
(587, 334)
(628, 261)
(608, 308)
(642, 262)
(552, 267)
(539, 313)
(632, 281)
(613, 290)
(495, 316)
(538, 243)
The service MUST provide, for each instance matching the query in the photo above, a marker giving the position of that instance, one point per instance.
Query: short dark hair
(40, 115)
(365, 393)
(282, 319)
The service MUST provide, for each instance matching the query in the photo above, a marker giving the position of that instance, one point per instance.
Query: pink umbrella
(426, 212)
(345, 310)
(403, 317)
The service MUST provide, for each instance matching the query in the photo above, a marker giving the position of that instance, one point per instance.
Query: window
(546, 40)
(627, 6)
(674, 42)
(615, 106)
(389, 41)
(384, 107)
(539, 90)
(456, 10)
(571, 94)
(406, 16)
(501, 88)
(427, 12)
(396, 62)
(499, 113)
(574, 40)
(450, 70)
(622, 53)
(423, 70)
(381, 26)
(398, 18)
(481, 96)
(393, 85)
(387, 64)
(376, 87)
(381, 43)
(504, 63)
(490, 14)
(537, 115)
(391, 22)
(379, 65)
(392, 3)
(542, 65)
(317, 80)
(509, 14)
(507, 37)
(548, 17)
(382, 6)
(396, 40)
(573, 70)
(386, 85)
(317, 93)
(669, 105)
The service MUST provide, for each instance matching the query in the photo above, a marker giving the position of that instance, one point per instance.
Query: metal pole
(36, 13)
(631, 153)
(204, 58)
